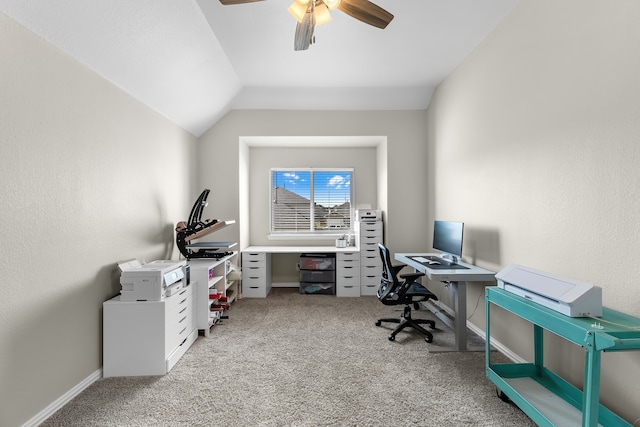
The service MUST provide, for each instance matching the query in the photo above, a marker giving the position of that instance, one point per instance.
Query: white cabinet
(348, 274)
(256, 274)
(214, 290)
(370, 234)
(147, 337)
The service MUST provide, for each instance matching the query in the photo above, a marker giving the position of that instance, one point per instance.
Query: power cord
(598, 325)
(480, 296)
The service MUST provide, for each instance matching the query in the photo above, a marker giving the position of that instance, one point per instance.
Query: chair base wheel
(392, 338)
(428, 339)
(378, 323)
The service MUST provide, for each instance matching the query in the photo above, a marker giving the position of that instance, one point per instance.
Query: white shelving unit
(212, 278)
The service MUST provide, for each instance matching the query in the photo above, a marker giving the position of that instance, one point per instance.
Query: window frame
(311, 232)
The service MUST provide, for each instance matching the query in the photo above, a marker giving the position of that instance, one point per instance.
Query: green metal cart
(545, 397)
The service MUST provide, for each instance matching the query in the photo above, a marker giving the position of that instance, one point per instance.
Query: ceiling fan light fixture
(304, 31)
(298, 10)
(321, 13)
(332, 4)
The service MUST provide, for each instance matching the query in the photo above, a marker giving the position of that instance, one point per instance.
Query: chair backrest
(390, 286)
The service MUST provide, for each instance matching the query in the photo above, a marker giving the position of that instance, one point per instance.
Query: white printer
(153, 281)
(566, 296)
(368, 215)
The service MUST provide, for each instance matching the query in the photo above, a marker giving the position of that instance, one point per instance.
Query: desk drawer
(368, 249)
(253, 281)
(368, 289)
(348, 290)
(179, 323)
(371, 261)
(348, 281)
(348, 260)
(370, 239)
(347, 256)
(182, 298)
(370, 275)
(253, 272)
(348, 271)
(254, 288)
(369, 228)
(369, 281)
(254, 259)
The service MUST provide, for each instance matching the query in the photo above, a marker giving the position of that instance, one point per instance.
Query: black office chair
(392, 291)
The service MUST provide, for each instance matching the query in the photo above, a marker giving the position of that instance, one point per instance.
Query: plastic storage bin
(317, 273)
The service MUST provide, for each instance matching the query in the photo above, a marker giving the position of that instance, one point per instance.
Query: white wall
(89, 177)
(534, 143)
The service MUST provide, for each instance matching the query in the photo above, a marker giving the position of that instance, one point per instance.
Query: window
(311, 200)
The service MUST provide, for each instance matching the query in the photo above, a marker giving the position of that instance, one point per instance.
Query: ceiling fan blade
(228, 2)
(304, 32)
(367, 12)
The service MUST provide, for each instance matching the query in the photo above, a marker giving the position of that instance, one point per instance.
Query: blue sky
(330, 188)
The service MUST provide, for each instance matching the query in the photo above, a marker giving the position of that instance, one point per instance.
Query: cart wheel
(502, 396)
(378, 323)
(392, 338)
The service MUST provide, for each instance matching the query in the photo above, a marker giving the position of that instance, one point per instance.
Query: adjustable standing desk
(457, 279)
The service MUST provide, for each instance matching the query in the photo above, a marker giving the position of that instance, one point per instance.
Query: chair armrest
(397, 268)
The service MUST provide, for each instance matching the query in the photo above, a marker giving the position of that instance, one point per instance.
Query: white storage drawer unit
(348, 274)
(371, 233)
(147, 337)
(256, 274)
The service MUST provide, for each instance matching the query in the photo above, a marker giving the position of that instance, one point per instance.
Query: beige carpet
(303, 360)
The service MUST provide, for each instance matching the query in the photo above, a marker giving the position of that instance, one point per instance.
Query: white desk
(299, 249)
(256, 262)
(456, 278)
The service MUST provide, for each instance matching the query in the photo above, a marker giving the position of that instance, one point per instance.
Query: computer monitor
(447, 238)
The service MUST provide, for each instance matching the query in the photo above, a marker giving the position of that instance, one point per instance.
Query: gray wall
(222, 165)
(89, 177)
(533, 142)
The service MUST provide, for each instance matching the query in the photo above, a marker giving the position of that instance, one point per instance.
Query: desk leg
(459, 290)
(459, 323)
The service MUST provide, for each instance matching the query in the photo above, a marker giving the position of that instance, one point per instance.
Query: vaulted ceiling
(194, 60)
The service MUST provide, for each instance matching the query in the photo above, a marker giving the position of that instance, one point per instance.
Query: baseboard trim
(482, 334)
(285, 284)
(63, 400)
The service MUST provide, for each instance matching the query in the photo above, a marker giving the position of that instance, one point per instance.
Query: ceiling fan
(310, 13)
